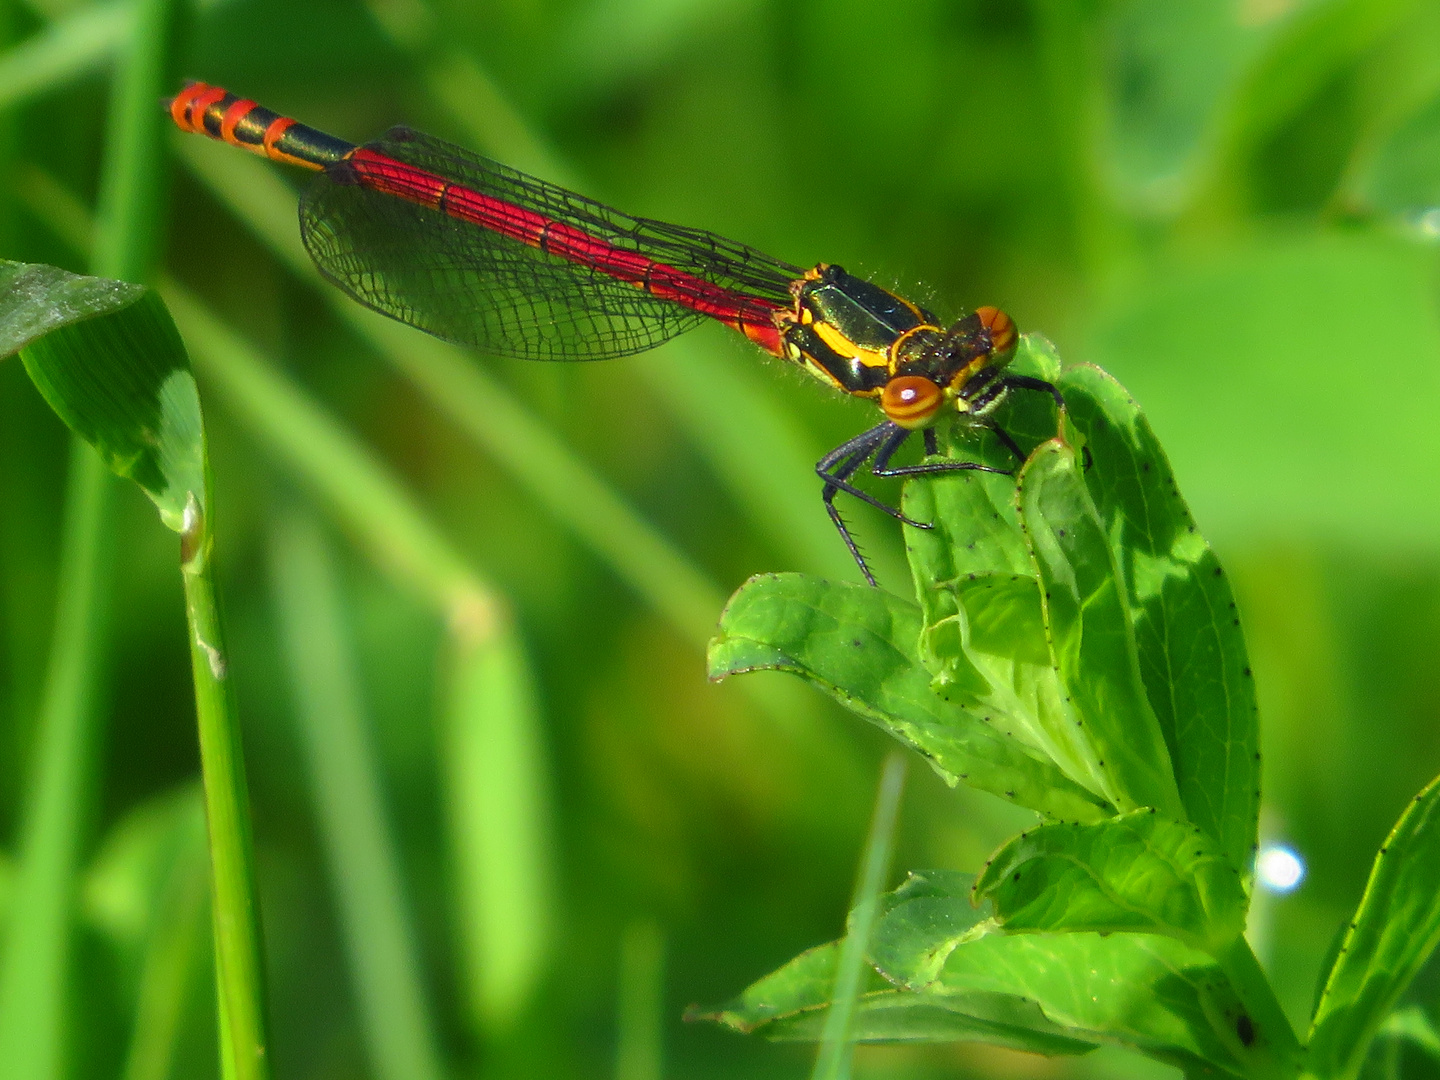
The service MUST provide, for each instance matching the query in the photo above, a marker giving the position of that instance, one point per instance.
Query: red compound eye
(1000, 327)
(911, 400)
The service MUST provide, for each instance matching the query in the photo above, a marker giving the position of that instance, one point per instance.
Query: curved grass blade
(1393, 932)
(498, 794)
(1091, 635)
(69, 47)
(640, 1023)
(364, 867)
(123, 380)
(833, 1061)
(148, 891)
(858, 644)
(1189, 644)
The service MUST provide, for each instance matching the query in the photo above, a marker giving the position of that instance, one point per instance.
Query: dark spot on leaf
(1145, 466)
(857, 643)
(1017, 876)
(1217, 571)
(1237, 622)
(1060, 533)
(1247, 672)
(1245, 1029)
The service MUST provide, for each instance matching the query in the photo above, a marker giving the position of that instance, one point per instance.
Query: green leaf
(1402, 177)
(1092, 640)
(1138, 873)
(923, 922)
(1150, 993)
(1394, 931)
(1173, 68)
(791, 1005)
(108, 359)
(1222, 343)
(858, 644)
(36, 299)
(949, 980)
(1190, 647)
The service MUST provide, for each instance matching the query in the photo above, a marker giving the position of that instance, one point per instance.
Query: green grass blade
(502, 870)
(498, 802)
(68, 48)
(36, 954)
(833, 1060)
(32, 979)
(385, 969)
(147, 892)
(371, 503)
(640, 1026)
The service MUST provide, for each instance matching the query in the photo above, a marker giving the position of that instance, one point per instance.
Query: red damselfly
(483, 255)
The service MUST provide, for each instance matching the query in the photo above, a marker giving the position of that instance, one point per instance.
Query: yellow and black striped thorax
(871, 343)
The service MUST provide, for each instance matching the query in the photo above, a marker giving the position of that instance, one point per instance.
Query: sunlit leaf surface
(1391, 936)
(858, 644)
(1190, 647)
(1140, 873)
(109, 361)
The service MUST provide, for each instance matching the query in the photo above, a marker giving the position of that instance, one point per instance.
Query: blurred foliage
(1229, 204)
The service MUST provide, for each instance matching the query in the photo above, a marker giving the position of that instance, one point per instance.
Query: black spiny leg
(836, 467)
(844, 460)
(881, 442)
(925, 468)
(1025, 382)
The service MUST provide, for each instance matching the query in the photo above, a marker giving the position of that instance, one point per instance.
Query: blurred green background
(1232, 205)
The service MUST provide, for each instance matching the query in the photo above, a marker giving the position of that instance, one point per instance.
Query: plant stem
(833, 1060)
(1273, 1049)
(239, 974)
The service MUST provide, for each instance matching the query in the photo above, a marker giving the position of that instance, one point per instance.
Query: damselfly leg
(877, 446)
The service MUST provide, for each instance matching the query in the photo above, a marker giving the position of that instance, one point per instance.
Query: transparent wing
(473, 285)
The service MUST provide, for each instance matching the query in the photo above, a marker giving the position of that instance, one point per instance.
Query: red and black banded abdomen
(209, 110)
(477, 253)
